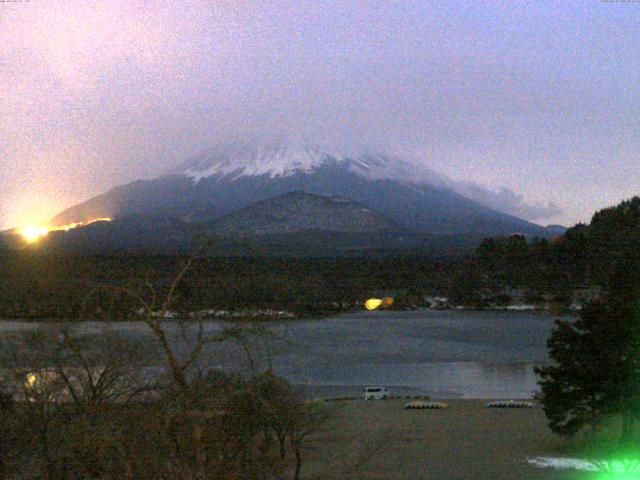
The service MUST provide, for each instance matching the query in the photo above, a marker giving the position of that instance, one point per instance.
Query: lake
(444, 354)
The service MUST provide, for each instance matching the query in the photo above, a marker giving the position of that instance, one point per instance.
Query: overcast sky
(539, 99)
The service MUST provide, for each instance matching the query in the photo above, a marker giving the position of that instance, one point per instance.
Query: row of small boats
(425, 405)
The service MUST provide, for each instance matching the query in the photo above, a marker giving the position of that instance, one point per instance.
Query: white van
(376, 393)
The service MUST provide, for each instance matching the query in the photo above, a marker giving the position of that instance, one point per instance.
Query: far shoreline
(240, 317)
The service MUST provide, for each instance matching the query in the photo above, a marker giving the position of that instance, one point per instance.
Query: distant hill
(555, 230)
(297, 212)
(296, 223)
(582, 255)
(292, 224)
(612, 235)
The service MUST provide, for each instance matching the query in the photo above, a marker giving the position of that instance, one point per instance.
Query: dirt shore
(382, 440)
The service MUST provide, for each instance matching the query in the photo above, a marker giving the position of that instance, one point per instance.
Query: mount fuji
(224, 180)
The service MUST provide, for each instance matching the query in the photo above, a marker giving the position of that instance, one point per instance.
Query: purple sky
(541, 98)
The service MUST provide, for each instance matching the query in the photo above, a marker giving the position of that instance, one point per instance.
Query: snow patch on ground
(559, 462)
(614, 466)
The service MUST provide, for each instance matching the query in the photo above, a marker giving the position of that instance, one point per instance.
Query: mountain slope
(228, 178)
(299, 211)
(132, 234)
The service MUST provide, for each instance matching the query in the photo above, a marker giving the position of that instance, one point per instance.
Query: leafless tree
(63, 377)
(307, 418)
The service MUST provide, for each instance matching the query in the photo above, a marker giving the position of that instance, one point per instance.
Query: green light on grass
(619, 470)
(619, 476)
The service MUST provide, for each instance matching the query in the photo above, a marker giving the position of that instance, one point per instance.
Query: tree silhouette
(596, 370)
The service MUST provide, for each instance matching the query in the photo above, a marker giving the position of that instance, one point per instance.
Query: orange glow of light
(375, 303)
(35, 233)
(32, 233)
(372, 303)
(31, 379)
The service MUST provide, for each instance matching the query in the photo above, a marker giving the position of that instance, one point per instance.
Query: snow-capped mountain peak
(243, 159)
(232, 161)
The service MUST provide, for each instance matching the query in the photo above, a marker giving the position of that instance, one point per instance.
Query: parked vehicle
(376, 393)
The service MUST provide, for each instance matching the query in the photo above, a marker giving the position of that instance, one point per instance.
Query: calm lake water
(444, 354)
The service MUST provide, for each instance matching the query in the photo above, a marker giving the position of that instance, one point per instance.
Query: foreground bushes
(78, 405)
(244, 429)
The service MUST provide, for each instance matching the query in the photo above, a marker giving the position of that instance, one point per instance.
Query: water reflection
(438, 380)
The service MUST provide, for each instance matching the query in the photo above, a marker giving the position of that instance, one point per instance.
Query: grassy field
(381, 440)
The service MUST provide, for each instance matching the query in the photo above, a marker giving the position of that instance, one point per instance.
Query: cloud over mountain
(506, 200)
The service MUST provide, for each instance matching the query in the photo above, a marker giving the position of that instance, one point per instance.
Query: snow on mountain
(241, 159)
(232, 161)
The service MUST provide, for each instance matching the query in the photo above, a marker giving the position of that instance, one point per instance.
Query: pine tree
(574, 388)
(596, 359)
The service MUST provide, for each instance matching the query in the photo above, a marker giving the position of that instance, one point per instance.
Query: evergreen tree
(596, 369)
(574, 388)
